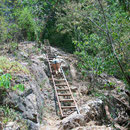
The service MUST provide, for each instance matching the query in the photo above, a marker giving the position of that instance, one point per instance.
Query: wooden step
(58, 80)
(66, 115)
(64, 94)
(68, 107)
(66, 100)
(51, 57)
(63, 89)
(61, 85)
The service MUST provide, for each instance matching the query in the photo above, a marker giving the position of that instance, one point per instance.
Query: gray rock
(92, 110)
(11, 126)
(32, 125)
(24, 54)
(83, 90)
(72, 121)
(73, 88)
(73, 71)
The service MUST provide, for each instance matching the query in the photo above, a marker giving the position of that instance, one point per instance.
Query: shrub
(3, 29)
(13, 46)
(5, 82)
(30, 25)
(12, 66)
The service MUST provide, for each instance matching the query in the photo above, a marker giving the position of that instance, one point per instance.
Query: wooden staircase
(64, 97)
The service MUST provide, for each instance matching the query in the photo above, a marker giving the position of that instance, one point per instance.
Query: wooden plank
(61, 85)
(63, 89)
(67, 114)
(51, 57)
(64, 94)
(67, 107)
(66, 100)
(58, 80)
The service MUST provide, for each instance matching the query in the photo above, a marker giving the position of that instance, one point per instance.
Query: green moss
(12, 66)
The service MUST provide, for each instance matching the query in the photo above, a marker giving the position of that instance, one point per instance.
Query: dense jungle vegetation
(97, 31)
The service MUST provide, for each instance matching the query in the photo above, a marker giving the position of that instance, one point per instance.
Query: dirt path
(51, 123)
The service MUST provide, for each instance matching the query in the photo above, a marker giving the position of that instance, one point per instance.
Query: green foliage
(3, 29)
(99, 95)
(18, 86)
(5, 82)
(29, 24)
(67, 72)
(90, 54)
(20, 19)
(118, 89)
(13, 32)
(1, 71)
(109, 84)
(93, 47)
(7, 68)
(13, 46)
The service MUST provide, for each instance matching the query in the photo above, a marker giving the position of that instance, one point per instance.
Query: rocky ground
(106, 107)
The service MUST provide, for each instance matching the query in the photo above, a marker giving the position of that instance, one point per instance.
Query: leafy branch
(5, 82)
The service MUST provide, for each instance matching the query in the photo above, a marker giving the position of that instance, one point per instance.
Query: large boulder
(92, 110)
(72, 121)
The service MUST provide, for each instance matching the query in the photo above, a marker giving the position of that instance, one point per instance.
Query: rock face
(92, 110)
(30, 103)
(73, 72)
